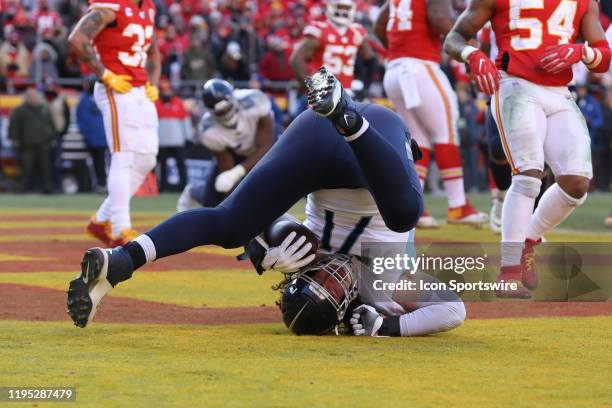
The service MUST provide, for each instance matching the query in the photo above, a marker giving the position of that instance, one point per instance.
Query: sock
(502, 174)
(136, 254)
(120, 267)
(432, 318)
(554, 207)
(516, 215)
(119, 190)
(448, 158)
(422, 166)
(104, 212)
(357, 132)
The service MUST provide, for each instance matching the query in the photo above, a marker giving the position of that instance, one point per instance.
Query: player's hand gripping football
(118, 83)
(365, 321)
(152, 92)
(289, 257)
(484, 72)
(561, 57)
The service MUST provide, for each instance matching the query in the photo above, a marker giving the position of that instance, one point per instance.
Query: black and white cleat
(327, 98)
(86, 290)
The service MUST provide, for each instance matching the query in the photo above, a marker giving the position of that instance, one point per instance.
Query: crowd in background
(245, 41)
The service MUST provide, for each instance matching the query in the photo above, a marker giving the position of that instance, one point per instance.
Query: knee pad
(456, 314)
(574, 202)
(528, 186)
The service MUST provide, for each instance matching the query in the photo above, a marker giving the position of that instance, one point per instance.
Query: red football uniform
(525, 29)
(338, 51)
(123, 46)
(409, 33)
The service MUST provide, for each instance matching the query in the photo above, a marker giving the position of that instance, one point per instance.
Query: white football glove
(365, 321)
(288, 257)
(228, 179)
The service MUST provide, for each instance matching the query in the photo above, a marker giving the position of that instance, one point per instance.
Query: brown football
(276, 233)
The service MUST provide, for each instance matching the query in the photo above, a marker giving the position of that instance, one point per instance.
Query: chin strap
(597, 56)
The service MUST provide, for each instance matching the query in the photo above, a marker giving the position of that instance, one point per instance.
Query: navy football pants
(309, 156)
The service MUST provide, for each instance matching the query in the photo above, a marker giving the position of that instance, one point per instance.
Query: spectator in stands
(604, 169)
(91, 125)
(33, 133)
(591, 109)
(198, 62)
(274, 64)
(233, 67)
(14, 58)
(175, 129)
(45, 60)
(469, 135)
(60, 113)
(46, 18)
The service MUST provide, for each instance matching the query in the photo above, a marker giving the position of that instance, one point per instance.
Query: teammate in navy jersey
(338, 144)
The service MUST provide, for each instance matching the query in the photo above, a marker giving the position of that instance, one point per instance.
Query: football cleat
(495, 215)
(529, 274)
(466, 215)
(86, 291)
(327, 97)
(185, 201)
(100, 230)
(512, 274)
(123, 238)
(427, 221)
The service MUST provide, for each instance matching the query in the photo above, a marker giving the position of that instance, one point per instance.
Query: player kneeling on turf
(321, 291)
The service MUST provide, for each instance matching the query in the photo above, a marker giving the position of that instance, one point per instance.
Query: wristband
(467, 51)
(390, 327)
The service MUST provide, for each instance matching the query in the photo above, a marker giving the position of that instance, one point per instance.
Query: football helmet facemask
(317, 298)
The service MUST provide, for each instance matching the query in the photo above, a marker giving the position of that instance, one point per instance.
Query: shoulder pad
(248, 99)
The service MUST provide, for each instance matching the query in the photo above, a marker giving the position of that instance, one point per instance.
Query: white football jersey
(345, 218)
(252, 106)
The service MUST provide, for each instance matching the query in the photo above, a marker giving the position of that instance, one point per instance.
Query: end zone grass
(528, 362)
(508, 362)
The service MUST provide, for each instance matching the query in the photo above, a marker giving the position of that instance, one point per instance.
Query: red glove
(484, 72)
(561, 57)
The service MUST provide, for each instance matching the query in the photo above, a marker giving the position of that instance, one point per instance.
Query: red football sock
(448, 158)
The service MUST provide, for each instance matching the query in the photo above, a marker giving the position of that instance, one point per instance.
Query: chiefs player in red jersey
(334, 44)
(537, 117)
(115, 38)
(412, 31)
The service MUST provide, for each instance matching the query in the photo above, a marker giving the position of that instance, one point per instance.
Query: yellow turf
(530, 362)
(561, 362)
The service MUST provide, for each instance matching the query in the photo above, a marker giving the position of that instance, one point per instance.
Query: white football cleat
(87, 290)
(495, 215)
(185, 201)
(427, 222)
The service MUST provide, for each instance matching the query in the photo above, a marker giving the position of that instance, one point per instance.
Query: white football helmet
(341, 12)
